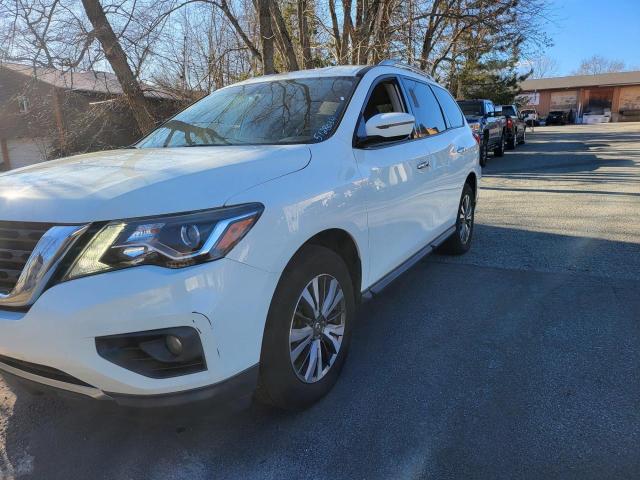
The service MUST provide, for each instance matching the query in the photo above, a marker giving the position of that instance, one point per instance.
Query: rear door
(432, 133)
(492, 121)
(461, 150)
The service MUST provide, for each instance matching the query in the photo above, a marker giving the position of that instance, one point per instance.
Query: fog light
(174, 344)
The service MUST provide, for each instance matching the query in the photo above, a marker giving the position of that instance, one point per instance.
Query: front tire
(308, 330)
(460, 241)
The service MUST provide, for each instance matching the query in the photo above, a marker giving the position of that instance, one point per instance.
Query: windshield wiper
(206, 145)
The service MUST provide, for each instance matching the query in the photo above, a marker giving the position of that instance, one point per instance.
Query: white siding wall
(27, 151)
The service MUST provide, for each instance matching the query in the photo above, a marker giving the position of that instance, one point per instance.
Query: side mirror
(389, 125)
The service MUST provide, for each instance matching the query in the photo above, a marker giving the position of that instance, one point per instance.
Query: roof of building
(101, 82)
(602, 79)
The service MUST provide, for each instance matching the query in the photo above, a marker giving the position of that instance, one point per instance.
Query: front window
(302, 110)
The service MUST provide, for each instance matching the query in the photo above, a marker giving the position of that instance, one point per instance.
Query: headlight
(172, 241)
(475, 126)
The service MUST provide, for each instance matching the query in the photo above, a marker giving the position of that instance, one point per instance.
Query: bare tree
(118, 60)
(543, 66)
(597, 64)
(266, 36)
(303, 32)
(285, 45)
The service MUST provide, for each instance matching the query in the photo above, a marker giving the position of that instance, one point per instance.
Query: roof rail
(393, 62)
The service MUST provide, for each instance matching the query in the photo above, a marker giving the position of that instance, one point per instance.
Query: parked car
(487, 121)
(557, 117)
(229, 248)
(515, 126)
(531, 117)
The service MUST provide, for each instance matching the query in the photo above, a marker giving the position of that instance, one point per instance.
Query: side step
(393, 275)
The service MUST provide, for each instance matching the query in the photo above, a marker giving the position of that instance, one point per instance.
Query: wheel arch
(472, 180)
(341, 242)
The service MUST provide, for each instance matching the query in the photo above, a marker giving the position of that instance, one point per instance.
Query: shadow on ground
(455, 371)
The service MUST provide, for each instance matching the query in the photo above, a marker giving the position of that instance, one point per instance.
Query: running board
(393, 275)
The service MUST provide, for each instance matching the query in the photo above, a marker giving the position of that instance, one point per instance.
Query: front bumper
(225, 301)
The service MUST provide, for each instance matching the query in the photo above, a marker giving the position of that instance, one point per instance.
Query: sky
(582, 28)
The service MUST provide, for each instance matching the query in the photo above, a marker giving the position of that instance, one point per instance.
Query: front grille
(17, 241)
(43, 371)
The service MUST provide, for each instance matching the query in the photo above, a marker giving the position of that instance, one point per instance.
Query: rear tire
(296, 330)
(460, 241)
(523, 139)
(513, 141)
(499, 150)
(484, 153)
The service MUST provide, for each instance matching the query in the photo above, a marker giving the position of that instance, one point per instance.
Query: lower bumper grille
(42, 371)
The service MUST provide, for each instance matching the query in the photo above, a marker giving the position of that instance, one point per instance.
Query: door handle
(424, 164)
(461, 150)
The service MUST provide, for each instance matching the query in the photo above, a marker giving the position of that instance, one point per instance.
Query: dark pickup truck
(486, 120)
(515, 128)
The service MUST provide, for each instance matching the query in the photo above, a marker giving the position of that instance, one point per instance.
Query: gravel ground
(517, 360)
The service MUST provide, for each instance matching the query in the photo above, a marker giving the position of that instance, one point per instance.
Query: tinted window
(471, 108)
(450, 107)
(489, 107)
(303, 110)
(429, 120)
(509, 110)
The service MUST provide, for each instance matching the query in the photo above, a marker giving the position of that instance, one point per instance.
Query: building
(617, 93)
(47, 113)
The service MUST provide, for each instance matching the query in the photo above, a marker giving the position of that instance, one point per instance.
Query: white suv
(226, 252)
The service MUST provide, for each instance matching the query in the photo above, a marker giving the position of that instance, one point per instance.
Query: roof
(602, 79)
(338, 71)
(101, 82)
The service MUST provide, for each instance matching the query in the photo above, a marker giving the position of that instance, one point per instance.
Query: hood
(129, 183)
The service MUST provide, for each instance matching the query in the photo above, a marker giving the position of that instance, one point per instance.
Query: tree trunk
(347, 28)
(118, 61)
(284, 39)
(303, 28)
(266, 36)
(336, 30)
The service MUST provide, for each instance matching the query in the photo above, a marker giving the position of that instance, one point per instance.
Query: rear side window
(509, 110)
(429, 120)
(449, 106)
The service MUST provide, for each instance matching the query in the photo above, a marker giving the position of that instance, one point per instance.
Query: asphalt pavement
(518, 360)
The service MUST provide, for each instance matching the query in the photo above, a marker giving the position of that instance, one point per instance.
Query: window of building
(23, 104)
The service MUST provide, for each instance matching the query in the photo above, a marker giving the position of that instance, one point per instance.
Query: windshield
(277, 112)
(471, 109)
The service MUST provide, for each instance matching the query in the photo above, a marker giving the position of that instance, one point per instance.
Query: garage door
(564, 100)
(27, 151)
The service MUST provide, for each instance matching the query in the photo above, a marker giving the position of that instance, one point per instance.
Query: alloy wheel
(465, 219)
(317, 328)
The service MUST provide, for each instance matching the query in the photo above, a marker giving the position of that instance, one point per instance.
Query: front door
(401, 214)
